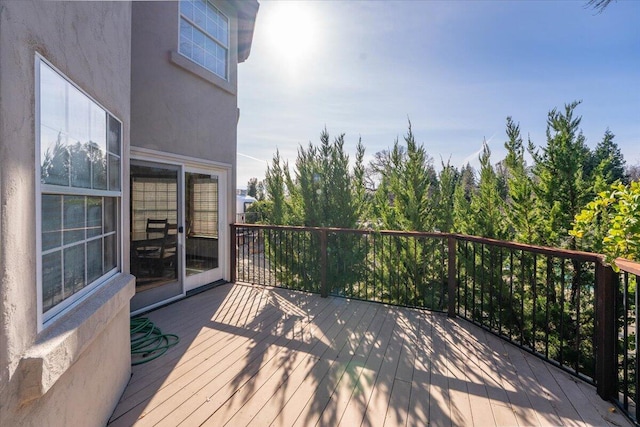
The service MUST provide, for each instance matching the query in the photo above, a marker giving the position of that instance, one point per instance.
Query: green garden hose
(148, 342)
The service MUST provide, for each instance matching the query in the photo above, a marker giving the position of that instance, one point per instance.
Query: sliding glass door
(155, 218)
(176, 239)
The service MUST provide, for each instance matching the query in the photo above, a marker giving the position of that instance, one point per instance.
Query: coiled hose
(148, 342)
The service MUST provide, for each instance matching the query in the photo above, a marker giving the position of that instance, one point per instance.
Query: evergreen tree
(405, 195)
(380, 167)
(275, 186)
(487, 206)
(521, 209)
(260, 191)
(323, 194)
(252, 187)
(327, 196)
(562, 188)
(609, 163)
(463, 221)
(447, 181)
(360, 197)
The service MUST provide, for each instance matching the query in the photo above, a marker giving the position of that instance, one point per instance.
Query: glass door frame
(185, 165)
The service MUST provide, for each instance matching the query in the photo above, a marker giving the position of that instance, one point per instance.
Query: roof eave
(247, 12)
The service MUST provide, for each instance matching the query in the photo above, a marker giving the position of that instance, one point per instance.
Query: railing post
(606, 333)
(233, 262)
(324, 289)
(451, 252)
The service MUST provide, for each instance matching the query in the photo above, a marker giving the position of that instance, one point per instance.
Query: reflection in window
(52, 221)
(80, 167)
(74, 130)
(51, 279)
(88, 224)
(204, 35)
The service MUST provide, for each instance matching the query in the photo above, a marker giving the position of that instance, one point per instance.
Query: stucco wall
(87, 359)
(177, 106)
(172, 108)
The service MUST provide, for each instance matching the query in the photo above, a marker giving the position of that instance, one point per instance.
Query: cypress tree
(521, 206)
(562, 187)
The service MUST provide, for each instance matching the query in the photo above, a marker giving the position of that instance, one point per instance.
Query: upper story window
(204, 35)
(79, 145)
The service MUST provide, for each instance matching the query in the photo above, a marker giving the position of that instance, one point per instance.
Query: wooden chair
(170, 246)
(156, 227)
(162, 248)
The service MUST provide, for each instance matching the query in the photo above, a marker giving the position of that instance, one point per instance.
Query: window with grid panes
(79, 149)
(204, 35)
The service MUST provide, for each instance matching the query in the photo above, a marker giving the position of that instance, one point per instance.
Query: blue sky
(456, 69)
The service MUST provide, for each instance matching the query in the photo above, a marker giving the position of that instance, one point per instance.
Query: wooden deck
(259, 356)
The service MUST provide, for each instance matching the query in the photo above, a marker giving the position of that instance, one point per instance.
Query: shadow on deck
(250, 355)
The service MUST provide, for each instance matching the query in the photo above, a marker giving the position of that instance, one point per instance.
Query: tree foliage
(406, 193)
(507, 199)
(608, 162)
(521, 205)
(487, 205)
(610, 224)
(562, 187)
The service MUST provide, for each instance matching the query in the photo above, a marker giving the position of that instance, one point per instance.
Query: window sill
(62, 343)
(184, 62)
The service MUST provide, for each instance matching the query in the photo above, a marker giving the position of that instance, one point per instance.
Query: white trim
(139, 153)
(38, 195)
(158, 304)
(79, 191)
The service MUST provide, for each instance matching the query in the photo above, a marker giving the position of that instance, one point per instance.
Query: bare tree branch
(599, 5)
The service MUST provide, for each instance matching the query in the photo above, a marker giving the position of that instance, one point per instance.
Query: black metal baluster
(522, 290)
(473, 291)
(500, 302)
(546, 317)
(637, 342)
(625, 338)
(482, 284)
(578, 329)
(534, 312)
(511, 294)
(562, 279)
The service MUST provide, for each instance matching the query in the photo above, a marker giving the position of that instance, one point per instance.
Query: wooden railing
(563, 306)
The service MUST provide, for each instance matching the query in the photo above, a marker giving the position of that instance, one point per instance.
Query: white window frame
(210, 36)
(45, 319)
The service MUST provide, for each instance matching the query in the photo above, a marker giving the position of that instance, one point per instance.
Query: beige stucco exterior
(73, 371)
(178, 106)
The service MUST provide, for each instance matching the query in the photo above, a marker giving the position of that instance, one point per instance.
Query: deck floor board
(260, 356)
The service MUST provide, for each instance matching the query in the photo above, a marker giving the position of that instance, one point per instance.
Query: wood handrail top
(546, 250)
(628, 266)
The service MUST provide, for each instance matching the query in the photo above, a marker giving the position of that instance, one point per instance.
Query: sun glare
(292, 31)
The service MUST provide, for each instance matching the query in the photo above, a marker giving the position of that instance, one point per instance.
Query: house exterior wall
(73, 371)
(178, 106)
